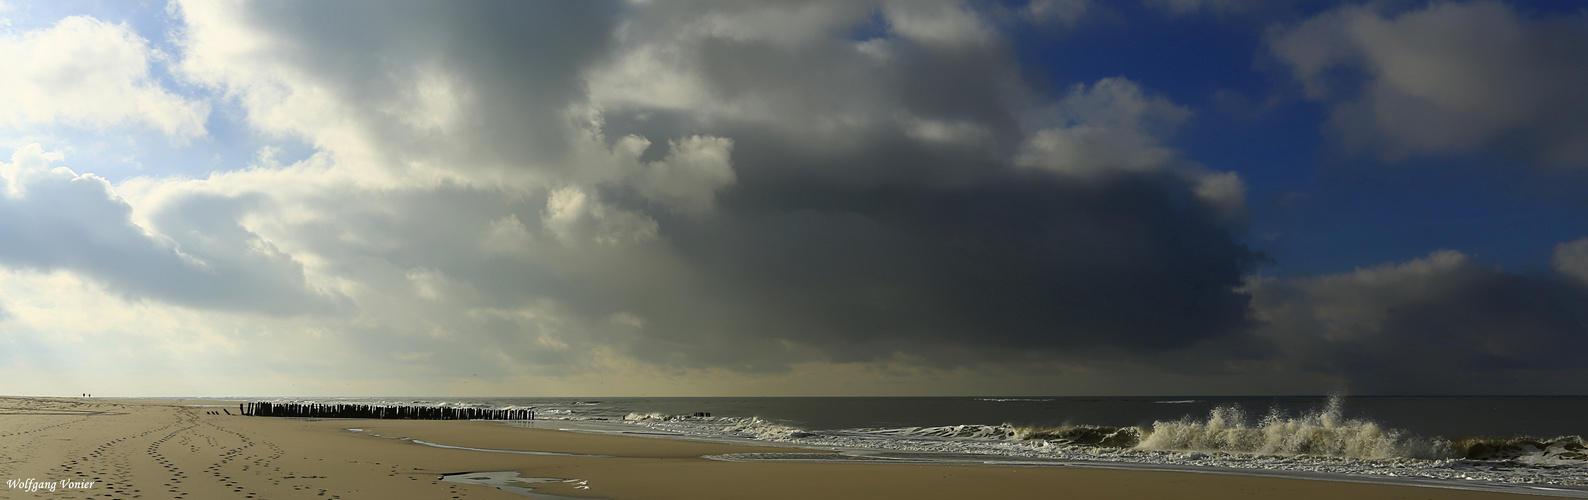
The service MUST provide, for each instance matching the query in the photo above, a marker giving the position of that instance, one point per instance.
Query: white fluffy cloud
(1192, 6)
(1446, 78)
(52, 218)
(574, 216)
(1571, 259)
(938, 22)
(688, 178)
(790, 25)
(425, 111)
(830, 89)
(1110, 126)
(506, 235)
(1114, 127)
(1068, 12)
(85, 72)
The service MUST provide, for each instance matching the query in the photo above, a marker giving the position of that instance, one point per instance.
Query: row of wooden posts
(317, 410)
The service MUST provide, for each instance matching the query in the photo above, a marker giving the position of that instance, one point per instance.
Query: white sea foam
(1560, 451)
(762, 429)
(1325, 433)
(948, 431)
(1319, 442)
(749, 428)
(643, 417)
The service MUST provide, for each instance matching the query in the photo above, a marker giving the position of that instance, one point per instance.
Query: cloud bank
(547, 197)
(1441, 324)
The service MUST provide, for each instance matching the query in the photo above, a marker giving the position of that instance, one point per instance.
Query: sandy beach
(159, 449)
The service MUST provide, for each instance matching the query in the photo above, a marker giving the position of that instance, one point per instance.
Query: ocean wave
(1083, 435)
(762, 429)
(1068, 435)
(968, 431)
(1325, 432)
(649, 417)
(1323, 440)
(1320, 442)
(1227, 430)
(1563, 450)
(753, 427)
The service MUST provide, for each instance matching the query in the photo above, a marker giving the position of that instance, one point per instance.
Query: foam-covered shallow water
(1323, 442)
(1533, 445)
(511, 482)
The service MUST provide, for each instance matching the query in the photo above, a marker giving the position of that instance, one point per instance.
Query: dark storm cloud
(808, 183)
(874, 206)
(881, 240)
(1023, 263)
(1445, 323)
(750, 186)
(518, 63)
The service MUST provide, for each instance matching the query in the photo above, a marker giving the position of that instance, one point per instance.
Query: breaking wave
(1227, 429)
(1564, 450)
(655, 417)
(1325, 432)
(1069, 435)
(762, 429)
(1322, 440)
(1083, 435)
(753, 427)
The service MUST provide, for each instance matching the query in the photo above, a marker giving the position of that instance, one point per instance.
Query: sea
(1522, 444)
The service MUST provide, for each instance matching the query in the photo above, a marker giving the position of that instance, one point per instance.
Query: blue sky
(1253, 119)
(782, 198)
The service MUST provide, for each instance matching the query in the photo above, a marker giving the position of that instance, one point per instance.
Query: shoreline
(866, 457)
(159, 448)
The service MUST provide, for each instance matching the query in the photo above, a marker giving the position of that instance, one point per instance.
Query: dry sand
(162, 449)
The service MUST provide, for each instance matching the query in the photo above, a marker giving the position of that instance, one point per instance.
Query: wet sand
(159, 449)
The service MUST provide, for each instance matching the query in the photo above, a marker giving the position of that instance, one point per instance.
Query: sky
(791, 198)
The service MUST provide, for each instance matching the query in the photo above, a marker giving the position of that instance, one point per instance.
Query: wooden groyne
(317, 410)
